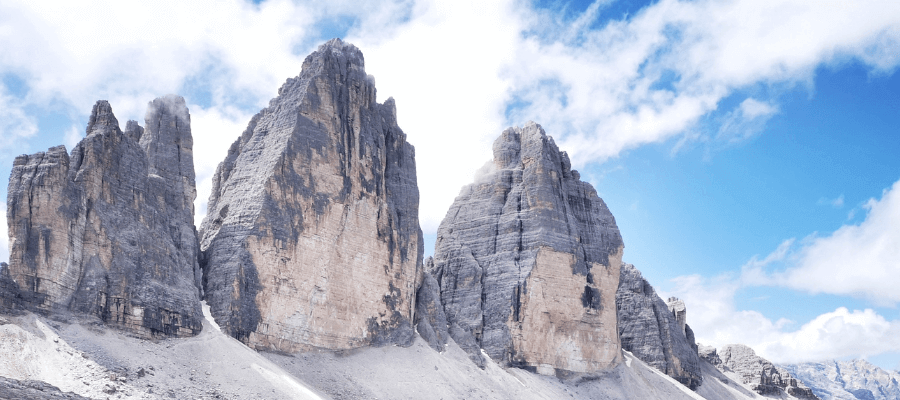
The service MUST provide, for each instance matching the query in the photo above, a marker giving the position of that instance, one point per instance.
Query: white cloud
(16, 125)
(841, 333)
(652, 77)
(443, 67)
(72, 136)
(856, 260)
(214, 130)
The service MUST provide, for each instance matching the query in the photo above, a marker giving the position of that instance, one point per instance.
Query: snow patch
(208, 316)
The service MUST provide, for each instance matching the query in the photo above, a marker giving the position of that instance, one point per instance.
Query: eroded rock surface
(312, 236)
(96, 233)
(652, 330)
(528, 259)
(762, 376)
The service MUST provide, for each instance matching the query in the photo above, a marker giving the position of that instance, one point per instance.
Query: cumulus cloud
(859, 260)
(836, 334)
(16, 125)
(72, 136)
(654, 75)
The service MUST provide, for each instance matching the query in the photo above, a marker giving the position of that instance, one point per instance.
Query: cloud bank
(859, 260)
(841, 333)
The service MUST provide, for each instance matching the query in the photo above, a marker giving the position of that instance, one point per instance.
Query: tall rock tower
(312, 236)
(105, 232)
(528, 262)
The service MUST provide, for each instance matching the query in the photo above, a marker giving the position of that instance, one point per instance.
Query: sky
(747, 148)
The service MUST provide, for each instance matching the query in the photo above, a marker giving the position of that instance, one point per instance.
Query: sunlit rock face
(108, 231)
(528, 260)
(312, 235)
(656, 331)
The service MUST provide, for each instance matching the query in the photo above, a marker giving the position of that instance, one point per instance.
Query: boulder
(95, 233)
(312, 236)
(528, 260)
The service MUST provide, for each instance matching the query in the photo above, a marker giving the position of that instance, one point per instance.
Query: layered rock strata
(528, 259)
(103, 233)
(654, 331)
(762, 376)
(312, 236)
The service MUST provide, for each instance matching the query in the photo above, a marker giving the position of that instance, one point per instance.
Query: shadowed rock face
(312, 237)
(528, 259)
(96, 233)
(652, 331)
(431, 321)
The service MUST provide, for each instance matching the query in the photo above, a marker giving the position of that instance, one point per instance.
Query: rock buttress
(93, 234)
(528, 259)
(652, 332)
(312, 236)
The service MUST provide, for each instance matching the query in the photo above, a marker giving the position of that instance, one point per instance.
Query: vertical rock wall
(95, 234)
(528, 259)
(312, 236)
(652, 331)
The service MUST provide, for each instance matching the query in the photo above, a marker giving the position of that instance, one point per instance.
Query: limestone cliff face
(312, 236)
(654, 331)
(95, 233)
(762, 376)
(528, 262)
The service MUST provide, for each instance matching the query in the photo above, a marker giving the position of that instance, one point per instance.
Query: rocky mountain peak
(322, 184)
(169, 145)
(102, 119)
(528, 258)
(679, 310)
(93, 235)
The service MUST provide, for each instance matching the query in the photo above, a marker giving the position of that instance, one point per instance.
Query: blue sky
(747, 148)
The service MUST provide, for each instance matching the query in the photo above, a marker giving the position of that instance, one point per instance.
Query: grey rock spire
(528, 259)
(312, 237)
(92, 234)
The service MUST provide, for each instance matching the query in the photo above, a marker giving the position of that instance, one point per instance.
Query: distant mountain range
(847, 380)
